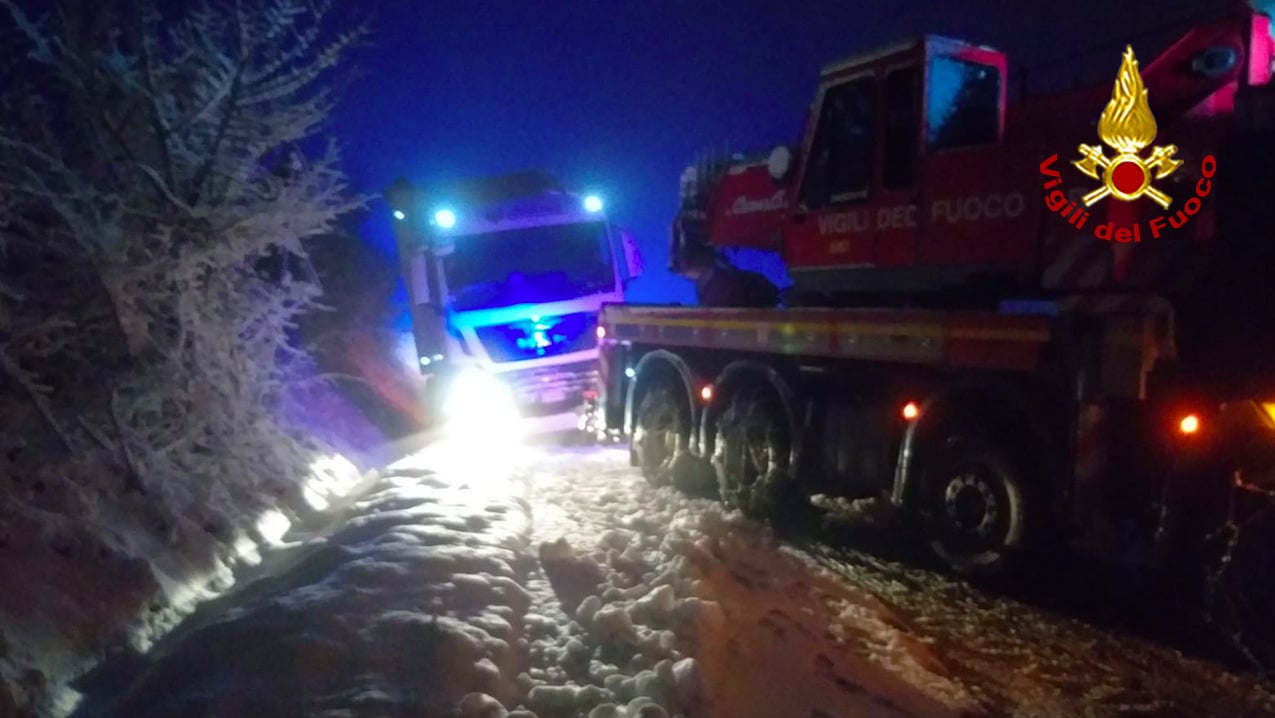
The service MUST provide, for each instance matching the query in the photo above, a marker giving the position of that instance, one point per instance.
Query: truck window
(841, 154)
(549, 263)
(902, 99)
(963, 104)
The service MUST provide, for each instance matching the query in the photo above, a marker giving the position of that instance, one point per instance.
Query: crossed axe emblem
(1098, 166)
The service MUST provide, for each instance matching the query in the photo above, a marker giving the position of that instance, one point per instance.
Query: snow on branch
(160, 166)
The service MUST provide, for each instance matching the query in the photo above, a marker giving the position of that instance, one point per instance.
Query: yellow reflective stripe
(719, 323)
(930, 331)
(815, 327)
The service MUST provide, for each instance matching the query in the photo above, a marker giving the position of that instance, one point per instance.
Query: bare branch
(97, 435)
(165, 189)
(158, 125)
(134, 476)
(15, 373)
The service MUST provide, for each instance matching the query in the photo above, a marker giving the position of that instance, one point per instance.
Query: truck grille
(554, 387)
(545, 337)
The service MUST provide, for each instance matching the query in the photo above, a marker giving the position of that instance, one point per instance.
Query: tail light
(1269, 408)
(1189, 425)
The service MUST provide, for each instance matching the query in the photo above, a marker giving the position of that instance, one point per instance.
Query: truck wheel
(753, 450)
(976, 504)
(660, 434)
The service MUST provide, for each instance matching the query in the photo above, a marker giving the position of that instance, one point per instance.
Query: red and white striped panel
(1126, 304)
(1075, 262)
(1077, 259)
(1074, 258)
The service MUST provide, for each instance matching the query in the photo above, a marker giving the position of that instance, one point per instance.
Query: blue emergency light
(445, 218)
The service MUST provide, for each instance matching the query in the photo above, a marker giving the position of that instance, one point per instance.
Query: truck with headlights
(505, 277)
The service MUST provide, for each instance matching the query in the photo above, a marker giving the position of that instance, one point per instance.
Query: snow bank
(411, 604)
(93, 571)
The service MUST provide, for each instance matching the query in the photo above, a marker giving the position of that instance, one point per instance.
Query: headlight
(480, 413)
(477, 394)
(482, 433)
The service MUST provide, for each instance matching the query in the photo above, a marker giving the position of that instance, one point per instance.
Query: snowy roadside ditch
(409, 602)
(104, 572)
(95, 569)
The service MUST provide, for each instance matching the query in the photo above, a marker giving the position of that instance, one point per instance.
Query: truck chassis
(999, 430)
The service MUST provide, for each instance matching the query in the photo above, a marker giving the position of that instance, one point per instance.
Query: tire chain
(1228, 581)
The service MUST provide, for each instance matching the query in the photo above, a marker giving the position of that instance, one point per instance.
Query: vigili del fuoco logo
(1127, 127)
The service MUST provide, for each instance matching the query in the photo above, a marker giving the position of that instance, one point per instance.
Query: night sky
(618, 97)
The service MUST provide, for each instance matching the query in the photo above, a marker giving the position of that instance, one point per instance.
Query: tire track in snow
(700, 613)
(817, 632)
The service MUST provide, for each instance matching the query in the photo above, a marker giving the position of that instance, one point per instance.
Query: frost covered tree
(160, 165)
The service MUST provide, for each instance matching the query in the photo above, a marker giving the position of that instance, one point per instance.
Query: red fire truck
(966, 340)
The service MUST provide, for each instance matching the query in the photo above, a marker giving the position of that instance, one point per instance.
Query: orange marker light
(1189, 424)
(706, 393)
(911, 410)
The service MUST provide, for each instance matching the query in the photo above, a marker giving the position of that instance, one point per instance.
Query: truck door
(832, 226)
(976, 214)
(896, 209)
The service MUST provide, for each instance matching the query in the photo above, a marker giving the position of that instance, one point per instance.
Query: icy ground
(558, 584)
(780, 631)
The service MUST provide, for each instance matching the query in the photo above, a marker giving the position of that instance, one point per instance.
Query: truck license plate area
(552, 396)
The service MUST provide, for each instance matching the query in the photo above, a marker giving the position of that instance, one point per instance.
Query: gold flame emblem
(1127, 126)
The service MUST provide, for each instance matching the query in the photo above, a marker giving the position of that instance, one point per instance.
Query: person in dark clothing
(719, 284)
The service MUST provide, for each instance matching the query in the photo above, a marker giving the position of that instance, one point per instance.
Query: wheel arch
(731, 378)
(655, 366)
(1009, 408)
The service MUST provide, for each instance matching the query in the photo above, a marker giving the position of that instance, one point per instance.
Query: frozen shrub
(162, 165)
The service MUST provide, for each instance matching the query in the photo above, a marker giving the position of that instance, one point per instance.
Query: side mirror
(632, 255)
(779, 163)
(402, 196)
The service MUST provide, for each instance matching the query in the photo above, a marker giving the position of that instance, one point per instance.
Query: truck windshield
(529, 265)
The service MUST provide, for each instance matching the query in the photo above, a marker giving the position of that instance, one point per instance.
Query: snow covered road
(682, 580)
(557, 583)
(781, 631)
